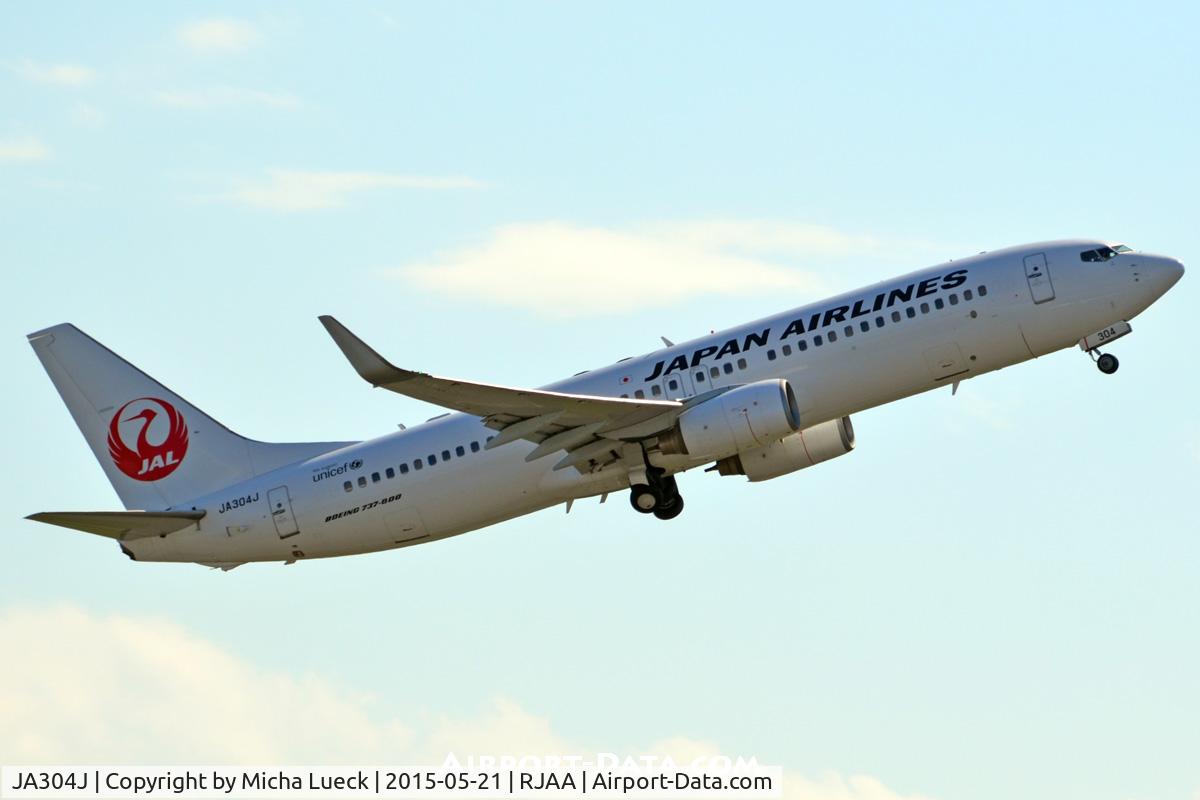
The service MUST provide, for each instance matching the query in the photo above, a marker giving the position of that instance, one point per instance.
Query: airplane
(762, 400)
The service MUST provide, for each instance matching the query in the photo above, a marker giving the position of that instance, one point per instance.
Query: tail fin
(157, 449)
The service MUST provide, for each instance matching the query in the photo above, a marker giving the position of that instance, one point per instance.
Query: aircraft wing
(589, 428)
(121, 525)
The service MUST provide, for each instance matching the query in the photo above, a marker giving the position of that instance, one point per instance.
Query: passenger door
(1037, 275)
(281, 512)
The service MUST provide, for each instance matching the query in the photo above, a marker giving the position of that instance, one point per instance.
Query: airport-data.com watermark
(599, 775)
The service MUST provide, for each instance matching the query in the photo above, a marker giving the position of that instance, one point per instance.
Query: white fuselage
(955, 321)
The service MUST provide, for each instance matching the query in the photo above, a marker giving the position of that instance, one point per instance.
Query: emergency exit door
(1037, 274)
(678, 385)
(281, 512)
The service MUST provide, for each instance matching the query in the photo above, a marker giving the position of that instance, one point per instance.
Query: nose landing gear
(1105, 362)
(1091, 345)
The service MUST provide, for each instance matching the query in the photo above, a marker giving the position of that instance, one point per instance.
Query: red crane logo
(147, 461)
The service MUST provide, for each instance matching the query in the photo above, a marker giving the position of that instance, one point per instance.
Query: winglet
(374, 368)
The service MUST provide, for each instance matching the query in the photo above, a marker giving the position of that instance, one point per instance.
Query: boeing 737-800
(761, 400)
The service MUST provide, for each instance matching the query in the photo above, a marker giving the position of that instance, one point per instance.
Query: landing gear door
(1037, 274)
(281, 512)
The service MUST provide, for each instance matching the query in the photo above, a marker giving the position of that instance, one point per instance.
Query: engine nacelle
(810, 446)
(743, 418)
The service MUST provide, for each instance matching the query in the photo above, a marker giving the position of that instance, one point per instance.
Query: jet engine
(743, 418)
(797, 451)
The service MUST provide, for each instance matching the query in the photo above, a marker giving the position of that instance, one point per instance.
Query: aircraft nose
(1174, 271)
(1166, 273)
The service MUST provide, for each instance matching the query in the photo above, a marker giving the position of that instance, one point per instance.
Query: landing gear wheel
(644, 499)
(671, 511)
(1107, 363)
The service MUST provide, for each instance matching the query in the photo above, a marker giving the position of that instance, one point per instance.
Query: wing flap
(121, 525)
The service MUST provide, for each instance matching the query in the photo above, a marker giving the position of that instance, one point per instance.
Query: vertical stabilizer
(157, 449)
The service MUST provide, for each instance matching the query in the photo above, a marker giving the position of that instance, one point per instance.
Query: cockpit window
(1103, 253)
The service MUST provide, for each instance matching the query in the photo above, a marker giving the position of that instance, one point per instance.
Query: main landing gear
(659, 497)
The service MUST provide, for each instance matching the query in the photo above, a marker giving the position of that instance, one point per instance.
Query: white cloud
(73, 75)
(563, 269)
(25, 149)
(215, 97)
(151, 692)
(781, 237)
(835, 787)
(218, 35)
(298, 190)
(88, 116)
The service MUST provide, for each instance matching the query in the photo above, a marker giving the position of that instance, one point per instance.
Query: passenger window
(911, 312)
(625, 396)
(391, 473)
(347, 486)
(656, 390)
(787, 349)
(445, 455)
(953, 299)
(848, 330)
(715, 372)
(939, 303)
(741, 363)
(982, 290)
(474, 447)
(431, 458)
(770, 355)
(895, 316)
(879, 322)
(924, 308)
(864, 326)
(673, 385)
(817, 342)
(404, 468)
(362, 480)
(802, 345)
(417, 463)
(639, 394)
(728, 368)
(375, 477)
(460, 451)
(832, 337)
(700, 376)
(967, 295)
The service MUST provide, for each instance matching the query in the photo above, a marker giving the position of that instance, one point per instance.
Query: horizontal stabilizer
(121, 525)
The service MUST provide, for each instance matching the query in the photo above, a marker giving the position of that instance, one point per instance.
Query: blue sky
(995, 595)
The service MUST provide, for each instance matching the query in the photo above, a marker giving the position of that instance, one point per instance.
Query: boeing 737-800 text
(761, 400)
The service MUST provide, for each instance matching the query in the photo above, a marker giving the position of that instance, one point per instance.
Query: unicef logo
(356, 463)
